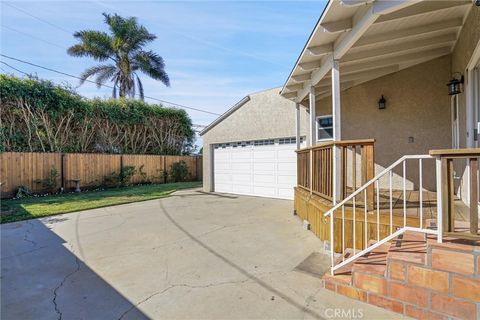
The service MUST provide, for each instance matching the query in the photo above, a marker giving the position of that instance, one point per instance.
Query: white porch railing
(393, 233)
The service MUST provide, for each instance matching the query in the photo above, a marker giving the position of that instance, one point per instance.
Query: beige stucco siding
(267, 115)
(418, 107)
(467, 42)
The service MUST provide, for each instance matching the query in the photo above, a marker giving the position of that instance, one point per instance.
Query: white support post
(297, 125)
(438, 166)
(470, 109)
(336, 131)
(313, 130)
(313, 117)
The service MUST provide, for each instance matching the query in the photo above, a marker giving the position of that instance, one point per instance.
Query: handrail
(392, 234)
(378, 176)
(447, 153)
(379, 243)
(338, 143)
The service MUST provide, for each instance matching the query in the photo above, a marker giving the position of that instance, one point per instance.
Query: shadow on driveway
(238, 268)
(42, 279)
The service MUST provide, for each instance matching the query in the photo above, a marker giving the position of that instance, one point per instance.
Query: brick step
(409, 247)
(374, 262)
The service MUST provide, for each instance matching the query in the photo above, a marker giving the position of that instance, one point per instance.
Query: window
(325, 128)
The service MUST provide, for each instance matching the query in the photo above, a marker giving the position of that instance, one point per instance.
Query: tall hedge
(38, 116)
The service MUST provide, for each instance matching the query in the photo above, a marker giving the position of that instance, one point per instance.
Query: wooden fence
(30, 168)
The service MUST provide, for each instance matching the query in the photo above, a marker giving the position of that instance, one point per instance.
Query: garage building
(250, 149)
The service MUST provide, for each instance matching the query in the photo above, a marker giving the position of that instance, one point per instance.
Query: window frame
(318, 127)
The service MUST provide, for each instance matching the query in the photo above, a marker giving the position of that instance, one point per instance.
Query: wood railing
(446, 188)
(315, 167)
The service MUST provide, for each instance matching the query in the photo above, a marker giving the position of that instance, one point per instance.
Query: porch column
(337, 186)
(313, 120)
(313, 130)
(297, 124)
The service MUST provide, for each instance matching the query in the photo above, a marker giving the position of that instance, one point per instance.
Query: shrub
(50, 183)
(38, 116)
(22, 192)
(179, 171)
(122, 178)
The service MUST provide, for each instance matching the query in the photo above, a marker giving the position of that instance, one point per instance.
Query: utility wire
(33, 37)
(29, 75)
(38, 18)
(106, 86)
(69, 75)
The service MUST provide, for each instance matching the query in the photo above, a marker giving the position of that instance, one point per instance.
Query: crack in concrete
(28, 232)
(55, 291)
(308, 300)
(171, 286)
(144, 300)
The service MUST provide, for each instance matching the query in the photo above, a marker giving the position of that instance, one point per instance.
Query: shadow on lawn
(42, 279)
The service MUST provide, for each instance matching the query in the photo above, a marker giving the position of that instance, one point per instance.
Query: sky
(216, 52)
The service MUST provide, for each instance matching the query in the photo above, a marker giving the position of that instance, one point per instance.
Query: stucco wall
(418, 106)
(267, 115)
(462, 54)
(467, 41)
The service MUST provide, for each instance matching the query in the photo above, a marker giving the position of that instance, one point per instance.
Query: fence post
(164, 169)
(121, 166)
(196, 168)
(62, 168)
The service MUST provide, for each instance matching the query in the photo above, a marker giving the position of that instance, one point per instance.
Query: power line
(69, 75)
(12, 67)
(33, 37)
(29, 75)
(38, 18)
(107, 86)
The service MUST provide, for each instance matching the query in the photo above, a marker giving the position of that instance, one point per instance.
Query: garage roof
(373, 38)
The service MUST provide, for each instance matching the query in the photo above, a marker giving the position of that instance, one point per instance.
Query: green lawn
(35, 207)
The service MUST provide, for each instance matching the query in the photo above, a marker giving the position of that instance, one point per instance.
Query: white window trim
(316, 125)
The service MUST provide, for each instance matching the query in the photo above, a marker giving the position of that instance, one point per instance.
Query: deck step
(373, 262)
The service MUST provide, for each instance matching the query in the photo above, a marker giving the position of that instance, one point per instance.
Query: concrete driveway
(192, 255)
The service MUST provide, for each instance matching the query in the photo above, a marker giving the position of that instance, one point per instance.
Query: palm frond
(151, 64)
(105, 74)
(140, 88)
(95, 44)
(93, 71)
(124, 45)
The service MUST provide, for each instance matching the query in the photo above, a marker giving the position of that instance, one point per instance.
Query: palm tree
(123, 48)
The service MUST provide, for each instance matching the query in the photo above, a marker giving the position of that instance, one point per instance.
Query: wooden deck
(429, 204)
(311, 207)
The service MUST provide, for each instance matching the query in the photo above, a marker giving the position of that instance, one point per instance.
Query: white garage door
(260, 168)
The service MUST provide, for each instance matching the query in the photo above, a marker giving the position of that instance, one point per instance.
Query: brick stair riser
(439, 282)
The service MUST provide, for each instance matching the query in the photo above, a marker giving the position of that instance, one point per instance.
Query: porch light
(455, 85)
(382, 103)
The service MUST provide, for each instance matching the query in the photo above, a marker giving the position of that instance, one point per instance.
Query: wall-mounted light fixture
(455, 85)
(382, 103)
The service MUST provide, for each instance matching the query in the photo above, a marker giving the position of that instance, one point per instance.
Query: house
(250, 148)
(389, 178)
